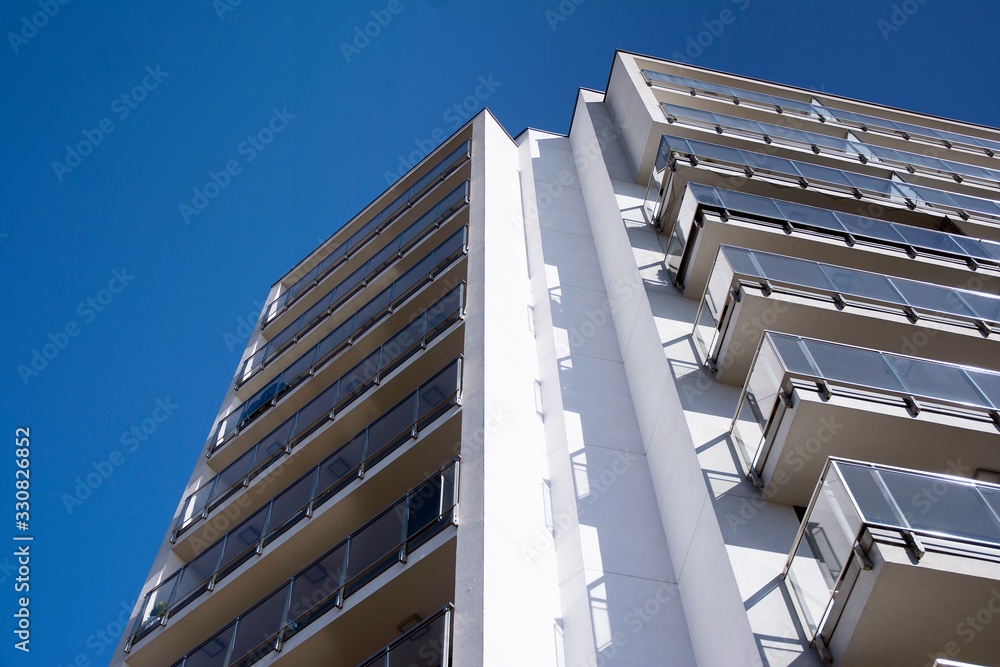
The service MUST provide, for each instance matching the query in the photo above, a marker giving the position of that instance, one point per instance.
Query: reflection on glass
(851, 496)
(781, 357)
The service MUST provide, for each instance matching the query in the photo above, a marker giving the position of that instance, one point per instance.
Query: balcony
(891, 566)
(749, 291)
(434, 396)
(878, 185)
(429, 644)
(344, 571)
(821, 113)
(375, 226)
(807, 400)
(375, 269)
(849, 148)
(709, 216)
(423, 327)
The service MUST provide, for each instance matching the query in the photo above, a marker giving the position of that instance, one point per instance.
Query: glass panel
(282, 338)
(243, 537)
(359, 376)
(259, 625)
(424, 647)
(985, 306)
(296, 370)
(931, 297)
(377, 540)
(944, 506)
(778, 267)
(394, 424)
(340, 467)
(233, 474)
(403, 343)
(923, 378)
(424, 506)
(737, 201)
(315, 588)
(290, 505)
(198, 571)
(333, 341)
(870, 228)
(828, 536)
(870, 497)
(213, 652)
(853, 365)
(758, 401)
(436, 391)
(318, 408)
(861, 283)
(810, 215)
(988, 383)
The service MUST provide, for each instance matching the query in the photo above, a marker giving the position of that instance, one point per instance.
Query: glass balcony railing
(401, 289)
(398, 425)
(341, 572)
(895, 190)
(426, 403)
(853, 228)
(819, 112)
(428, 644)
(782, 359)
(853, 499)
(399, 347)
(850, 147)
(378, 223)
(841, 285)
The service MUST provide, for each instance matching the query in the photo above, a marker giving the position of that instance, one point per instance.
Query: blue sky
(134, 314)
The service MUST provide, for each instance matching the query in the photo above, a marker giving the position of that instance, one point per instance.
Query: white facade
(641, 436)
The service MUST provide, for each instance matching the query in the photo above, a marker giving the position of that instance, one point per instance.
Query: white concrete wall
(620, 603)
(713, 604)
(507, 600)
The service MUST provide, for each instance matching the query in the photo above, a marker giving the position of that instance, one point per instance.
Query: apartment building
(711, 380)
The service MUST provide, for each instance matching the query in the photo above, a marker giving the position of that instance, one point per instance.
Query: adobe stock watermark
(122, 107)
(103, 639)
(454, 117)
(87, 311)
(223, 7)
(245, 325)
(561, 12)
(248, 149)
(371, 29)
(131, 441)
(696, 45)
(30, 25)
(900, 14)
(970, 628)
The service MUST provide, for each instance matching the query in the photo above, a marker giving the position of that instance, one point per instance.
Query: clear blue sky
(138, 306)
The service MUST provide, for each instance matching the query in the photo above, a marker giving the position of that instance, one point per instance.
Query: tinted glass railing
(853, 498)
(430, 221)
(895, 190)
(735, 95)
(378, 223)
(820, 143)
(350, 386)
(428, 645)
(853, 228)
(398, 347)
(819, 112)
(341, 572)
(425, 269)
(952, 388)
(198, 506)
(864, 122)
(912, 298)
(399, 424)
